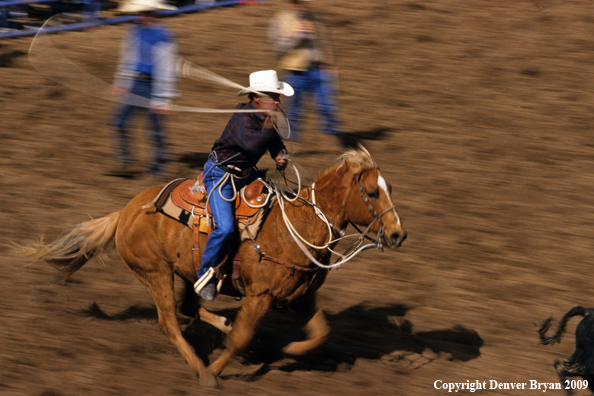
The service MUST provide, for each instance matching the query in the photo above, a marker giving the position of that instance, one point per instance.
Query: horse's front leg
(316, 327)
(244, 327)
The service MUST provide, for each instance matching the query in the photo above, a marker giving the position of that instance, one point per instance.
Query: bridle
(354, 249)
(377, 216)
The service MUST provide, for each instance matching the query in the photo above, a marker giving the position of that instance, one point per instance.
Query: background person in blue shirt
(243, 142)
(145, 77)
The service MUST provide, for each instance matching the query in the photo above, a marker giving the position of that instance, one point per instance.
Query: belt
(234, 170)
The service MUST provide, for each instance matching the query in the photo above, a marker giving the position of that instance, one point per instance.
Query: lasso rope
(50, 62)
(301, 241)
(283, 197)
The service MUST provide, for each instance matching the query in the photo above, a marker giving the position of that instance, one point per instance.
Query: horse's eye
(373, 194)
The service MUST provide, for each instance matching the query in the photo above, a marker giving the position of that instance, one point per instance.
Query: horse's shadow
(373, 333)
(134, 312)
(379, 333)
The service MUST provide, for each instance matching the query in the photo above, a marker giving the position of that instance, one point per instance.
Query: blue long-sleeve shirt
(246, 136)
(150, 50)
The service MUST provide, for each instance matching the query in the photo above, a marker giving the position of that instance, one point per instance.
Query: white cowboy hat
(267, 81)
(134, 6)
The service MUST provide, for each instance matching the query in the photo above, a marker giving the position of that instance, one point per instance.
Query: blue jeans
(140, 88)
(223, 213)
(319, 84)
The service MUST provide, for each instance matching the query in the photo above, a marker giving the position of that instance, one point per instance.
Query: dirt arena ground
(479, 113)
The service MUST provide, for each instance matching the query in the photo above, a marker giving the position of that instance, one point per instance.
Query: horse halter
(377, 216)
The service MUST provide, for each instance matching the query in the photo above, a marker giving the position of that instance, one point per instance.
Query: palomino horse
(156, 247)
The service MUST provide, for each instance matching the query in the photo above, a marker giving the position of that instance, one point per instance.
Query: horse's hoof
(294, 349)
(208, 380)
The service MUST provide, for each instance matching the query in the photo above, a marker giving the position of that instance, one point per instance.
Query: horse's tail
(545, 325)
(71, 251)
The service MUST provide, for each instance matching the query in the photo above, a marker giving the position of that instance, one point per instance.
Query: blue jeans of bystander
(141, 88)
(318, 83)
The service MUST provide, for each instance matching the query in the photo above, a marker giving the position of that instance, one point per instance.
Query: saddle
(190, 195)
(184, 200)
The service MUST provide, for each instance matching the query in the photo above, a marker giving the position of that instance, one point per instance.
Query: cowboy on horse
(352, 191)
(231, 166)
(300, 232)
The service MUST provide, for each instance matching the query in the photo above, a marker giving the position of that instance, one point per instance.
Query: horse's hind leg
(220, 322)
(160, 285)
(249, 316)
(316, 327)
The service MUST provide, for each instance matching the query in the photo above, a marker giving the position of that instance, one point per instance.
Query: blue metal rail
(8, 3)
(107, 21)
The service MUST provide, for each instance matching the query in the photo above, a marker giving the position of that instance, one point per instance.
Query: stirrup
(203, 281)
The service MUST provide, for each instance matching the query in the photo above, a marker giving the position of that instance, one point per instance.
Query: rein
(264, 256)
(357, 248)
(378, 217)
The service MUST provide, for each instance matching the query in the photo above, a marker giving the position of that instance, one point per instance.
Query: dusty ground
(479, 113)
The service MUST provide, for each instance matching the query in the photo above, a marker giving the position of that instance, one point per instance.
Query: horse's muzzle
(395, 239)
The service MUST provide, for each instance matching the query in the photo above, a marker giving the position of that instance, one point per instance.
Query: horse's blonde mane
(357, 160)
(354, 160)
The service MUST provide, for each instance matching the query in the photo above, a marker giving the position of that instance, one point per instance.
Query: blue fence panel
(8, 3)
(107, 21)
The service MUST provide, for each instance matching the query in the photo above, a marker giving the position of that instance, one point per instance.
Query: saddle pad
(164, 194)
(165, 205)
(182, 201)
